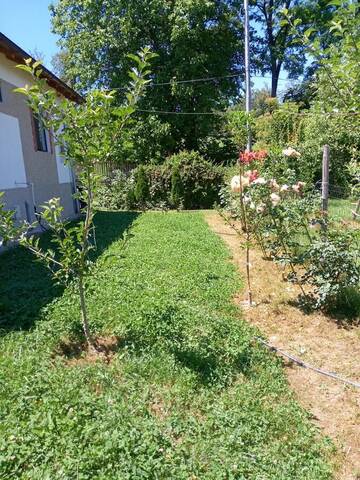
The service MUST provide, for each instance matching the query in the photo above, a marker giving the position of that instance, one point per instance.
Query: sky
(28, 24)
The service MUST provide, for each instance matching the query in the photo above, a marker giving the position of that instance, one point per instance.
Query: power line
(180, 113)
(204, 79)
(221, 112)
(209, 79)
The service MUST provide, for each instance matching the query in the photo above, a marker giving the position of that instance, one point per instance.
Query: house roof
(15, 53)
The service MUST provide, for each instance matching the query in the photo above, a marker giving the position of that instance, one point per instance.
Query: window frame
(41, 141)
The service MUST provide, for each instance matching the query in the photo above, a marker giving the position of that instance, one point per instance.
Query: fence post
(325, 185)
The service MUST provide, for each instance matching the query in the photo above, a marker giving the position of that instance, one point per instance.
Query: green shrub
(308, 133)
(332, 268)
(177, 189)
(141, 190)
(201, 180)
(185, 180)
(116, 192)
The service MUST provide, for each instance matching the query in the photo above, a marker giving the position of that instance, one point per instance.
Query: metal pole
(325, 184)
(247, 70)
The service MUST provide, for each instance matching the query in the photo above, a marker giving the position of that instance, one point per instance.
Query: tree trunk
(84, 316)
(274, 83)
(275, 73)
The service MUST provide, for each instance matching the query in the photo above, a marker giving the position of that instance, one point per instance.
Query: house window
(41, 142)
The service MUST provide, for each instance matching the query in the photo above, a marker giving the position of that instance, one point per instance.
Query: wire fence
(342, 206)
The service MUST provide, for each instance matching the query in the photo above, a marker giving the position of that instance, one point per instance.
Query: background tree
(193, 39)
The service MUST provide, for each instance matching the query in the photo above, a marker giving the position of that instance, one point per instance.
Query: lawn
(187, 395)
(341, 208)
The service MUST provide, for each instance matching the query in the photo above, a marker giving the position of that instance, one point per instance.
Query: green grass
(341, 208)
(188, 395)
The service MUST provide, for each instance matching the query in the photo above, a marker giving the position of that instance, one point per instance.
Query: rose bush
(284, 218)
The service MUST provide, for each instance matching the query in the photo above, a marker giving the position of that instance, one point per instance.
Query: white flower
(298, 187)
(291, 152)
(274, 185)
(245, 182)
(260, 208)
(275, 199)
(235, 183)
(260, 181)
(284, 188)
(252, 206)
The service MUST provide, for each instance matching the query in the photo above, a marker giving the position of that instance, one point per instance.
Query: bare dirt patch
(314, 338)
(79, 353)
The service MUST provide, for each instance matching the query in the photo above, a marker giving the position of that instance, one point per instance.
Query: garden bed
(329, 343)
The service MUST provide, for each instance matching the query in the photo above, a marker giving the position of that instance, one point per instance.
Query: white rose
(235, 184)
(291, 152)
(260, 208)
(275, 199)
(260, 181)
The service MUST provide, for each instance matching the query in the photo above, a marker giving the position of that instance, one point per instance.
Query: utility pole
(247, 70)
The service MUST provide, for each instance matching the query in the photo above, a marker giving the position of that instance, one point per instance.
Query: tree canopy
(194, 39)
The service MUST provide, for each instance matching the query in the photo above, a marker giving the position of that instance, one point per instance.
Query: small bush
(333, 269)
(177, 189)
(201, 180)
(141, 191)
(116, 192)
(185, 180)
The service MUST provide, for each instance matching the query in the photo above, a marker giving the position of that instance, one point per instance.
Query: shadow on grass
(201, 348)
(26, 286)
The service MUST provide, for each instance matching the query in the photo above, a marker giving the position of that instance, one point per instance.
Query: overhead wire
(222, 112)
(204, 79)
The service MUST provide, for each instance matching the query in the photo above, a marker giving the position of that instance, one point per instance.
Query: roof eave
(16, 54)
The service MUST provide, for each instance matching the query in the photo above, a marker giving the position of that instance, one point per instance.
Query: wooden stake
(325, 185)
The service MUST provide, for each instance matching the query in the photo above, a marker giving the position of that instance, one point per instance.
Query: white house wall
(12, 168)
(63, 170)
(13, 75)
(28, 177)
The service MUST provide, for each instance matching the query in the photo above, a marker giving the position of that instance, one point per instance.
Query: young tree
(8, 229)
(86, 134)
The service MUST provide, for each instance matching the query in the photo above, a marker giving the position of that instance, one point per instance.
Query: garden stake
(246, 230)
(248, 266)
(325, 187)
(242, 208)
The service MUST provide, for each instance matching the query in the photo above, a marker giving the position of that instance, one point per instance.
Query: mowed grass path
(187, 395)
